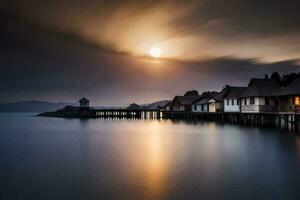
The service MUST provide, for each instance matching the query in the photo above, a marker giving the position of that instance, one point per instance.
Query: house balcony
(259, 108)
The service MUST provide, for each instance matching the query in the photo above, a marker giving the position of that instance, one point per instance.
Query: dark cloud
(238, 27)
(45, 52)
(257, 17)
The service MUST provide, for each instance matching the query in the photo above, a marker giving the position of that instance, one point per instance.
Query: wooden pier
(121, 113)
(284, 121)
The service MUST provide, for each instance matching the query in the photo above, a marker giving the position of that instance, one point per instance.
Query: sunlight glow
(155, 52)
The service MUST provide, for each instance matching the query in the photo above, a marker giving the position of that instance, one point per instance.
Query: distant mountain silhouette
(32, 106)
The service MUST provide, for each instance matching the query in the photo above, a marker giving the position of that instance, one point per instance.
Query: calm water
(50, 158)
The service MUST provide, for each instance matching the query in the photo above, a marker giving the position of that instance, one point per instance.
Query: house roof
(156, 105)
(134, 106)
(205, 97)
(292, 89)
(203, 101)
(261, 88)
(220, 96)
(186, 100)
(84, 100)
(235, 92)
(208, 94)
(169, 103)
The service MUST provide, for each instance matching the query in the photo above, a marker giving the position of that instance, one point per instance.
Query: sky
(61, 50)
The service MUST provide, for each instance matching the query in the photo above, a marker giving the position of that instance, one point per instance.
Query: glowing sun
(155, 52)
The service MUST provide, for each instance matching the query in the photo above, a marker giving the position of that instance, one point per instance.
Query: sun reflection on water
(151, 159)
(154, 158)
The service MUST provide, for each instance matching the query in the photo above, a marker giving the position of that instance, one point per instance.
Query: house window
(245, 102)
(227, 100)
(251, 100)
(202, 107)
(232, 102)
(195, 107)
(297, 101)
(237, 102)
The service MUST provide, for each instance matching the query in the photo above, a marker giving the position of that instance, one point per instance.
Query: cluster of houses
(263, 95)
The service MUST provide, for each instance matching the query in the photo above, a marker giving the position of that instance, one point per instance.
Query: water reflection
(297, 142)
(156, 161)
(142, 154)
(48, 158)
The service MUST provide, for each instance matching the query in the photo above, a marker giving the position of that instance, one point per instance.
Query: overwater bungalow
(289, 97)
(216, 103)
(167, 107)
(84, 103)
(184, 103)
(201, 105)
(232, 99)
(260, 96)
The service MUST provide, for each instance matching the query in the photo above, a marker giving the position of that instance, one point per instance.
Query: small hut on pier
(232, 99)
(84, 103)
(201, 105)
(167, 107)
(184, 103)
(216, 103)
(260, 96)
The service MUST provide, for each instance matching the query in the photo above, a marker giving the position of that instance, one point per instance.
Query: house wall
(254, 107)
(219, 106)
(200, 108)
(176, 105)
(188, 107)
(231, 108)
(212, 106)
(296, 101)
(259, 105)
(167, 108)
(288, 104)
(84, 104)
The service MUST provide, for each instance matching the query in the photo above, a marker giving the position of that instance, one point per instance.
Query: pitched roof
(261, 88)
(205, 97)
(156, 105)
(186, 100)
(220, 96)
(292, 89)
(208, 94)
(168, 104)
(203, 101)
(134, 106)
(235, 92)
(83, 100)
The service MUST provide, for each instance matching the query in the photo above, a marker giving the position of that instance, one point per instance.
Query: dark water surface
(51, 158)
